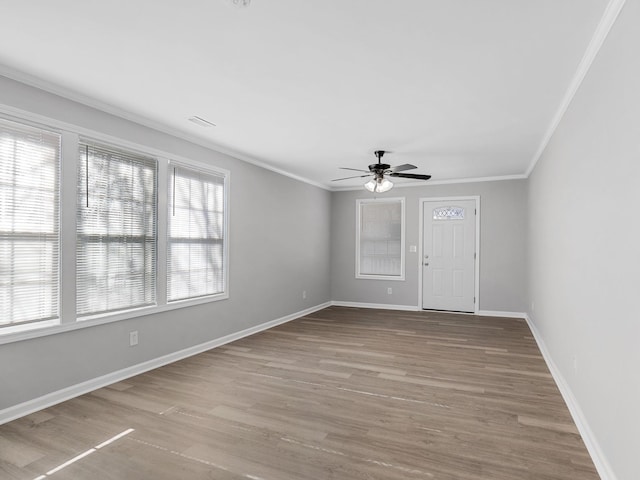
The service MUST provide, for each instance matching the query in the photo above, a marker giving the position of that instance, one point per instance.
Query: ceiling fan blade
(416, 176)
(347, 178)
(354, 169)
(401, 168)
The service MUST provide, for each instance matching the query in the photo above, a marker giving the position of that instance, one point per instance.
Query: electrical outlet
(575, 363)
(133, 338)
(304, 294)
(389, 291)
(533, 306)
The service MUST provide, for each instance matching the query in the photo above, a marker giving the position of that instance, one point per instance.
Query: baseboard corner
(502, 313)
(588, 437)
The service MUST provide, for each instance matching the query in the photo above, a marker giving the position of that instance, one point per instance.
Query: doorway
(449, 254)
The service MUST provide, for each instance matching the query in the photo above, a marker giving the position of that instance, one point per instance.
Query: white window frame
(206, 170)
(359, 203)
(142, 159)
(54, 319)
(68, 318)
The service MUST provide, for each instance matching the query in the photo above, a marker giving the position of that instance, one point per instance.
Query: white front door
(449, 255)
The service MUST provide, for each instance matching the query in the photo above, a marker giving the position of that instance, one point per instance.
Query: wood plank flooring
(343, 393)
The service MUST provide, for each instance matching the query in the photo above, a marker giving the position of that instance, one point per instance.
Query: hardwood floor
(343, 393)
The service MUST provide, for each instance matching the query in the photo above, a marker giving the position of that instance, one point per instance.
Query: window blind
(380, 239)
(116, 230)
(29, 223)
(196, 236)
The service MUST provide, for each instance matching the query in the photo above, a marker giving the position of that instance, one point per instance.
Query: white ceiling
(461, 88)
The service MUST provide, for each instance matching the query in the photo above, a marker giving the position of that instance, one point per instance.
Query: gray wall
(562, 246)
(279, 234)
(584, 231)
(502, 245)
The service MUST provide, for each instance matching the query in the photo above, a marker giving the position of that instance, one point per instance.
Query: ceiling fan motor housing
(379, 167)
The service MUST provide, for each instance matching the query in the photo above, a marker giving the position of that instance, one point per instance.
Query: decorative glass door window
(448, 213)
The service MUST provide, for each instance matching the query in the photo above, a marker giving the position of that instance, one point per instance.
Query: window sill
(394, 278)
(19, 333)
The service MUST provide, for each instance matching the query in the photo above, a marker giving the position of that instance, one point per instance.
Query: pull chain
(86, 160)
(174, 191)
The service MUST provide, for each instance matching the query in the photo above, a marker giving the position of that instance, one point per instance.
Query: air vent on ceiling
(201, 122)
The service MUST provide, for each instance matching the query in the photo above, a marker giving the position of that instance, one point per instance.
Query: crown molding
(609, 17)
(441, 182)
(607, 21)
(74, 96)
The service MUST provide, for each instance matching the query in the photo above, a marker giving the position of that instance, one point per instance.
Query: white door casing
(449, 254)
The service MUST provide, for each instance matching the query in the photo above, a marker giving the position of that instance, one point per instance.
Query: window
(448, 213)
(196, 247)
(116, 230)
(29, 224)
(380, 239)
(125, 259)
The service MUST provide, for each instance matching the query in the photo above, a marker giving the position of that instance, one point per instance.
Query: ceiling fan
(380, 184)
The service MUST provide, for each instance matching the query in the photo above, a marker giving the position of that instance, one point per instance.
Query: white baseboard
(50, 399)
(595, 451)
(498, 313)
(377, 306)
(410, 308)
(597, 455)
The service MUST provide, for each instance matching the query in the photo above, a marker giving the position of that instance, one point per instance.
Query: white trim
(411, 308)
(503, 314)
(602, 465)
(145, 122)
(162, 220)
(607, 21)
(206, 170)
(68, 94)
(68, 230)
(602, 31)
(19, 115)
(440, 182)
(364, 201)
(588, 437)
(378, 306)
(50, 399)
(71, 135)
(499, 178)
(422, 200)
(17, 335)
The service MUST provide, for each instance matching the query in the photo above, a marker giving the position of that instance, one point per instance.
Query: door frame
(422, 201)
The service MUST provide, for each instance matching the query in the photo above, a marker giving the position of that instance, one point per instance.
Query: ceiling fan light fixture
(370, 185)
(385, 185)
(379, 185)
